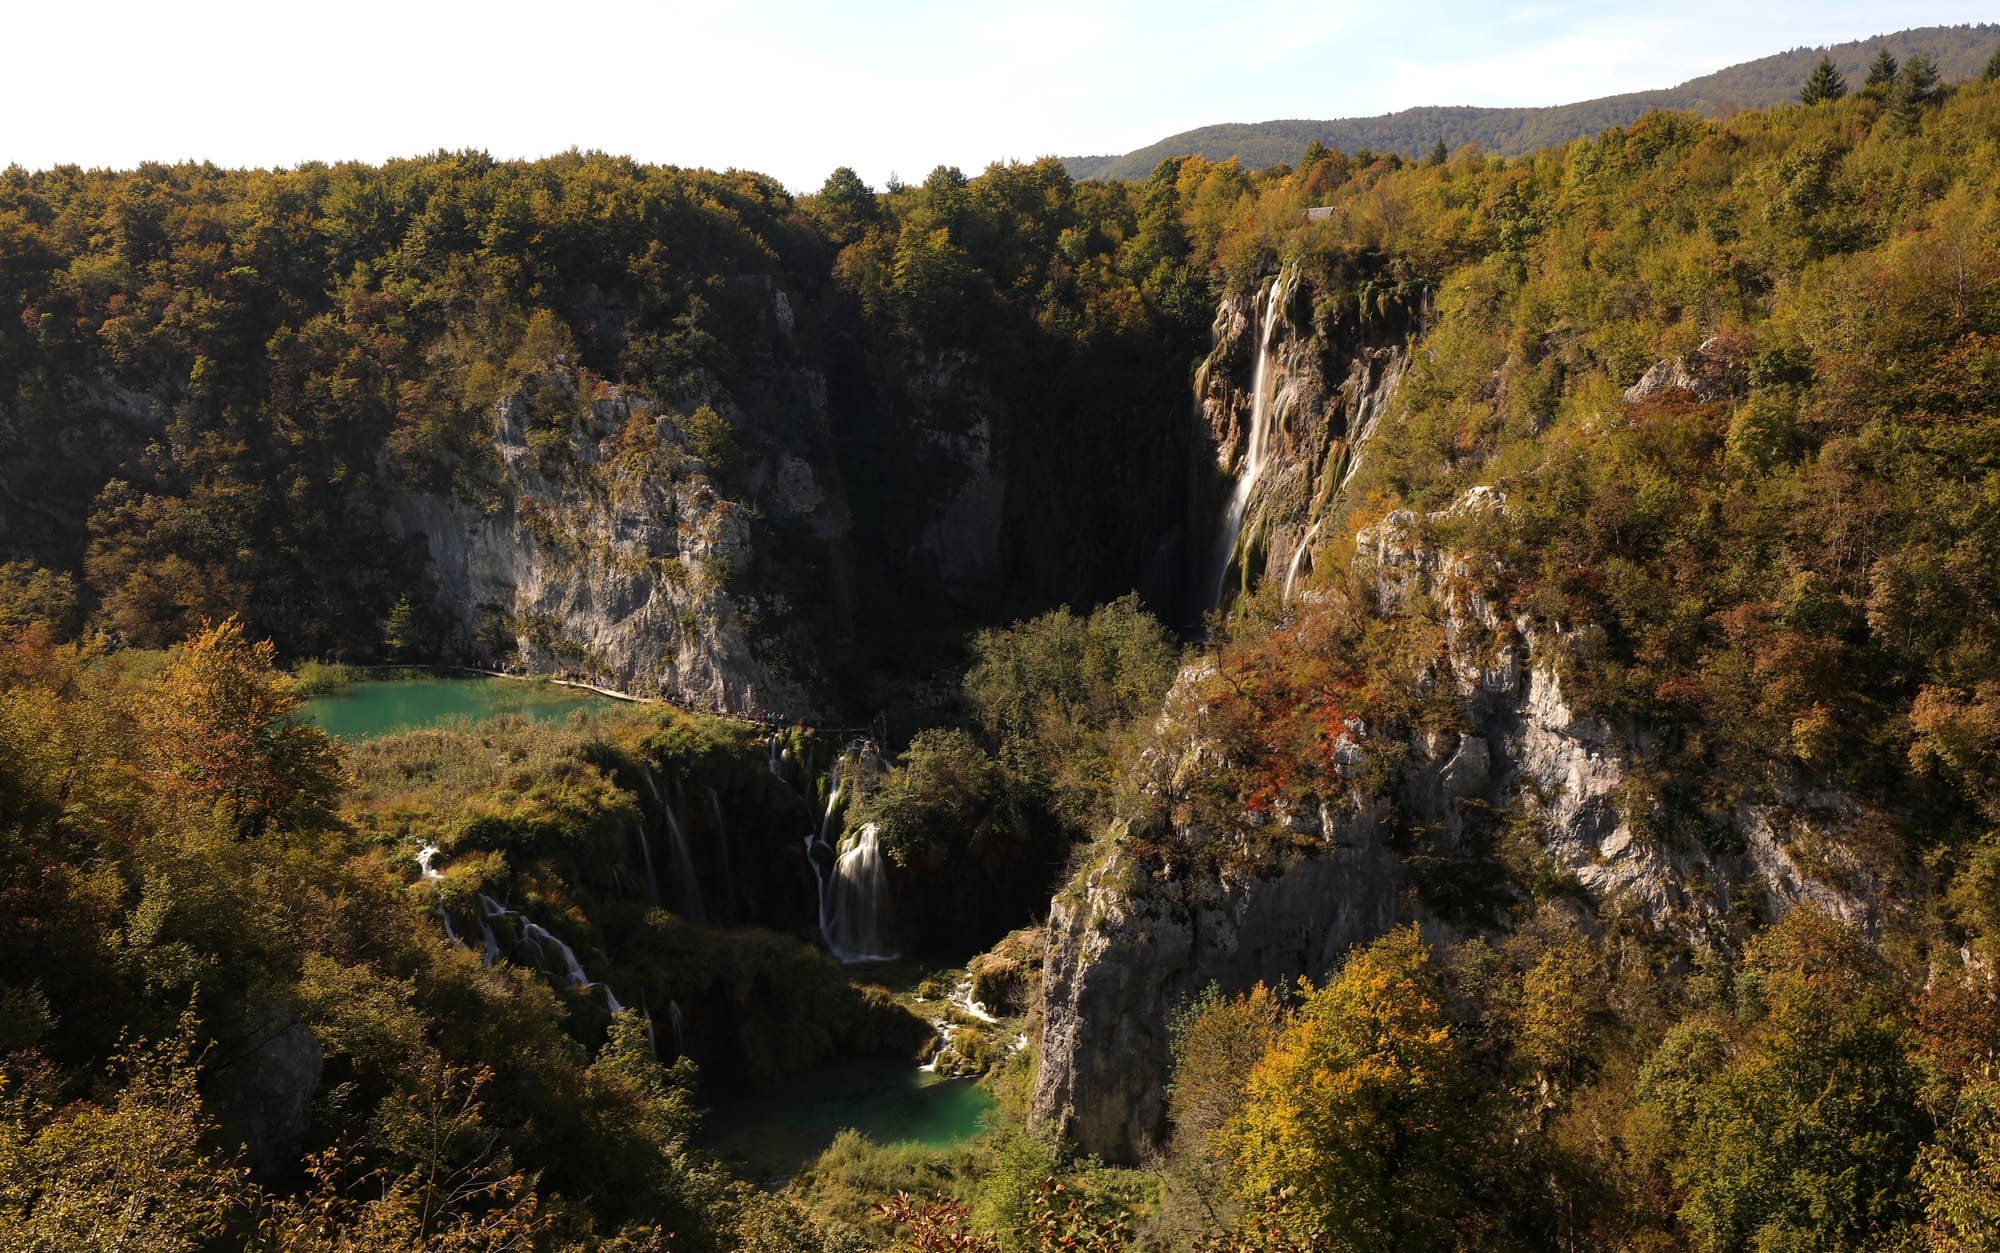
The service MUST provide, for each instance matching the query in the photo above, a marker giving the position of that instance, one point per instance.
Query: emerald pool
(373, 708)
(767, 1134)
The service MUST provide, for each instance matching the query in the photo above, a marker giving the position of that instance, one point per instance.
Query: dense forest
(1960, 53)
(1702, 417)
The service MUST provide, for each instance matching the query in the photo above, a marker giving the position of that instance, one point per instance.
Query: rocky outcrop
(1125, 951)
(261, 1084)
(1128, 945)
(1714, 371)
(599, 544)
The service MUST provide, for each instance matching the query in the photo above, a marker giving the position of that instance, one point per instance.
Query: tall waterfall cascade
(1257, 445)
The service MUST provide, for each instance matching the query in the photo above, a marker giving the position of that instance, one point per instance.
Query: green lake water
(768, 1134)
(363, 711)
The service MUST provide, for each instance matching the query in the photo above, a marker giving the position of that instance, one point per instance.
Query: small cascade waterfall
(539, 935)
(722, 853)
(685, 891)
(961, 999)
(687, 888)
(1256, 449)
(961, 1002)
(430, 874)
(854, 901)
(1368, 396)
(646, 855)
(1298, 554)
(679, 1025)
(526, 930)
(854, 894)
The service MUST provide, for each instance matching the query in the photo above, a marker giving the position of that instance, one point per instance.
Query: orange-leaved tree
(219, 736)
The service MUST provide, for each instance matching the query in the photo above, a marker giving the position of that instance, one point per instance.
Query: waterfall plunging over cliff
(1294, 384)
(687, 887)
(1256, 447)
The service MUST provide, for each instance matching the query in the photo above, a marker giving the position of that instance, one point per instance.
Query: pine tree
(1916, 86)
(1823, 84)
(1438, 154)
(1881, 74)
(1991, 73)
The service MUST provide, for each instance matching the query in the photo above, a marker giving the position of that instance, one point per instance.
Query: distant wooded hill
(1960, 51)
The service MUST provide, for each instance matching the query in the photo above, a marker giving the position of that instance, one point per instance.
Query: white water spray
(854, 903)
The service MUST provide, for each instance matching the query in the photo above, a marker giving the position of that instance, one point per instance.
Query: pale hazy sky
(795, 88)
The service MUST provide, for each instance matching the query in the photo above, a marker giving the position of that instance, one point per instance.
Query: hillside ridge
(1960, 51)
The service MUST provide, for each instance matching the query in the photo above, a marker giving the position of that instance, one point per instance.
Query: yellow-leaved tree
(1360, 1116)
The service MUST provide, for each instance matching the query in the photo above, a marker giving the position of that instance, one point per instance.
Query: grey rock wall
(606, 551)
(1128, 946)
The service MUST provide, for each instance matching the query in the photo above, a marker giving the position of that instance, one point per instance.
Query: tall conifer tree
(1823, 84)
(1881, 74)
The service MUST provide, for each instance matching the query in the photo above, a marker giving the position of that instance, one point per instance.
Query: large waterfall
(1256, 449)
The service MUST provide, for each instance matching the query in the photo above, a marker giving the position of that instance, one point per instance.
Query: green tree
(1960, 1174)
(1217, 1042)
(1806, 1139)
(1055, 692)
(1916, 87)
(1881, 75)
(1823, 85)
(1562, 997)
(1991, 74)
(125, 1172)
(32, 596)
(220, 736)
(845, 207)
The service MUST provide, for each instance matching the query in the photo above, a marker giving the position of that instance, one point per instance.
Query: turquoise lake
(768, 1134)
(364, 711)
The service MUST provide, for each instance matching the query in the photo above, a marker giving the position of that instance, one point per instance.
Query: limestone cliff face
(1127, 945)
(599, 544)
(1125, 951)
